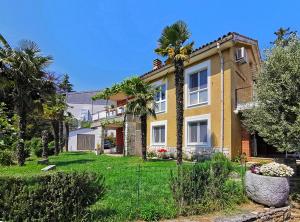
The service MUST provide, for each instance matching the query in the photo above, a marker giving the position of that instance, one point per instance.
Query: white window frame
(195, 119)
(158, 84)
(192, 70)
(158, 123)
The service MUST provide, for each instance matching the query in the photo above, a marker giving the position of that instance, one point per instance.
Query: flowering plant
(162, 150)
(273, 169)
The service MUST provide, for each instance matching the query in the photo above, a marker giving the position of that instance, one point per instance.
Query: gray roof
(84, 97)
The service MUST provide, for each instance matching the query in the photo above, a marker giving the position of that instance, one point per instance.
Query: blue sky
(99, 42)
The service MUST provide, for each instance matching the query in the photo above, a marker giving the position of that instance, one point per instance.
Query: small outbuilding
(84, 139)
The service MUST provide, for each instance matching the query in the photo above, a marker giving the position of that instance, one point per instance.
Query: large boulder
(267, 190)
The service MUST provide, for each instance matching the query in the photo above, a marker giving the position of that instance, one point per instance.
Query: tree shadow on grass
(78, 153)
(71, 162)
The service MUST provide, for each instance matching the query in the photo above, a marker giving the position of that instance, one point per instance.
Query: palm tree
(172, 44)
(141, 105)
(24, 70)
(52, 112)
(68, 120)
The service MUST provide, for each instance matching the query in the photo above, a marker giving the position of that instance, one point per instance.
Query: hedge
(53, 197)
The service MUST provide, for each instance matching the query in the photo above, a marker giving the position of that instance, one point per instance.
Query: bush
(35, 145)
(6, 158)
(53, 197)
(151, 212)
(206, 186)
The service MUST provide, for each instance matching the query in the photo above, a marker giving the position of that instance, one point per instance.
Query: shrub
(53, 197)
(35, 145)
(151, 154)
(151, 212)
(6, 158)
(206, 186)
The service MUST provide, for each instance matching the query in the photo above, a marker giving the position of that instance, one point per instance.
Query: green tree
(25, 71)
(65, 85)
(52, 112)
(173, 45)
(276, 116)
(283, 35)
(141, 105)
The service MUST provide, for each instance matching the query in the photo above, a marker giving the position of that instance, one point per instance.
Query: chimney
(157, 64)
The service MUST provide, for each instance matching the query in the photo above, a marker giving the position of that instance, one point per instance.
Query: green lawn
(135, 188)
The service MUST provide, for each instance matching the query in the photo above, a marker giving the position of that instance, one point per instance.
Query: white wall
(73, 137)
(75, 109)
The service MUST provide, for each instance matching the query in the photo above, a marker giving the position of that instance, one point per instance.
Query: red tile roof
(224, 38)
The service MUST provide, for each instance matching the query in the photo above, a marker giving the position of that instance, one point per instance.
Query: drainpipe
(222, 95)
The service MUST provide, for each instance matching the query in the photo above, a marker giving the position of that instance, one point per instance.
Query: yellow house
(219, 79)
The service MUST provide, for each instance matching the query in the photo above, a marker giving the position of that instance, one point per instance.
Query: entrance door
(85, 142)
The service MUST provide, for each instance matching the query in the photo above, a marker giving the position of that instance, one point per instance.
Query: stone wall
(269, 215)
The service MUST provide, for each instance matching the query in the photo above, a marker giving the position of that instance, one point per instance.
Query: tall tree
(65, 85)
(141, 105)
(52, 112)
(283, 36)
(276, 117)
(25, 70)
(173, 45)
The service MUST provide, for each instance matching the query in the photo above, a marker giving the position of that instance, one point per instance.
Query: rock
(50, 167)
(267, 190)
(43, 161)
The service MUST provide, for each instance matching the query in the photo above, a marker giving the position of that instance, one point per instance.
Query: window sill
(200, 145)
(160, 112)
(197, 105)
(158, 144)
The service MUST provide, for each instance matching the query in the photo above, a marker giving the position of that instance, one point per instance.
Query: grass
(136, 189)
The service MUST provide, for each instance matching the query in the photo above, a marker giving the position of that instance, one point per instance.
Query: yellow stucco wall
(232, 137)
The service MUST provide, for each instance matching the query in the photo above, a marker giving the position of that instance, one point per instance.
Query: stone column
(100, 146)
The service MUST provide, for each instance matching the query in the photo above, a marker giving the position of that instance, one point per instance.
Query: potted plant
(268, 184)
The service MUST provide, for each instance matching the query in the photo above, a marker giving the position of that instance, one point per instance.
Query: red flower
(162, 150)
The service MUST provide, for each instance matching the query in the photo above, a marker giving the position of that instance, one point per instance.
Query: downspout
(222, 96)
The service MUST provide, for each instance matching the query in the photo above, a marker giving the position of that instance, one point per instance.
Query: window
(160, 99)
(197, 88)
(85, 115)
(159, 134)
(197, 132)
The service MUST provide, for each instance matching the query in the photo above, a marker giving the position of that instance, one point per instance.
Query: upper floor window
(197, 88)
(160, 99)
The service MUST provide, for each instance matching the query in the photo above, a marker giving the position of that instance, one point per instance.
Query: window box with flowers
(268, 184)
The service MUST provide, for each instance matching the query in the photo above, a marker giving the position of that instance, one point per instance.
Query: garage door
(85, 142)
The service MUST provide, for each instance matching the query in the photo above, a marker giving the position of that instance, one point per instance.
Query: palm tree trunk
(179, 82)
(55, 126)
(67, 126)
(61, 135)
(143, 119)
(22, 132)
(45, 143)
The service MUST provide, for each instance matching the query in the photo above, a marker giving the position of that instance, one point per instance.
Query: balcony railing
(108, 114)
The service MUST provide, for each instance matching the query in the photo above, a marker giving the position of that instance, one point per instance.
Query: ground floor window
(158, 133)
(197, 130)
